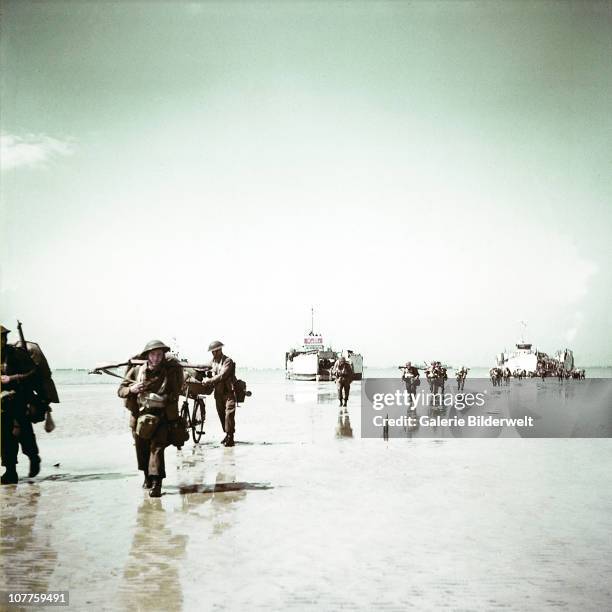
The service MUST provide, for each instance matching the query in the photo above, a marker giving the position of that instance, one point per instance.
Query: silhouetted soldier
(18, 381)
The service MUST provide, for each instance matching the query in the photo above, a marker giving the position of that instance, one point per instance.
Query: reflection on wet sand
(223, 501)
(191, 465)
(310, 393)
(343, 428)
(327, 397)
(221, 495)
(28, 557)
(151, 574)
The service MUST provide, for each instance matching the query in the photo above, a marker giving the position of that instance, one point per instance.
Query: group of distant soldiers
(563, 374)
(503, 375)
(499, 375)
(436, 375)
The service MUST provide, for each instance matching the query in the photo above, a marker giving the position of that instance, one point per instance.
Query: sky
(426, 175)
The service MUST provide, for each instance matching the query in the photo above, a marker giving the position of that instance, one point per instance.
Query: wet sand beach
(299, 516)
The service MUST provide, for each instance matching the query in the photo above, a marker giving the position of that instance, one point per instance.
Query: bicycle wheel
(198, 416)
(185, 413)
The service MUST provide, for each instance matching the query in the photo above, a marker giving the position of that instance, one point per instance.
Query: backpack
(240, 389)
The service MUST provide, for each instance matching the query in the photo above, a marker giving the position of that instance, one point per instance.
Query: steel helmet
(4, 330)
(215, 344)
(154, 344)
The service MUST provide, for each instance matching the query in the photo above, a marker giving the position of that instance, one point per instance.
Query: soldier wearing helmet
(343, 375)
(461, 375)
(151, 393)
(222, 380)
(18, 381)
(410, 376)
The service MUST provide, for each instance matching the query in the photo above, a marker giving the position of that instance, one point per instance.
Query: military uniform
(166, 382)
(343, 373)
(461, 376)
(223, 378)
(16, 425)
(410, 376)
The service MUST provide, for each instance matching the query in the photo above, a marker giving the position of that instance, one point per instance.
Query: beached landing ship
(534, 361)
(314, 361)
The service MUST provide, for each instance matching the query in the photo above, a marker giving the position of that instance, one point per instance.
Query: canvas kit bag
(177, 432)
(146, 426)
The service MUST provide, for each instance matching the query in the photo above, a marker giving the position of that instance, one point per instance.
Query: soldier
(19, 380)
(410, 376)
(436, 376)
(343, 375)
(223, 379)
(493, 373)
(461, 376)
(151, 393)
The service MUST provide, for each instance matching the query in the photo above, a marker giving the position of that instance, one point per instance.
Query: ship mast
(524, 327)
(312, 321)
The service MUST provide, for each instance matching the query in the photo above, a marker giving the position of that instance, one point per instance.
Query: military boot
(10, 476)
(229, 440)
(156, 486)
(34, 466)
(224, 440)
(147, 483)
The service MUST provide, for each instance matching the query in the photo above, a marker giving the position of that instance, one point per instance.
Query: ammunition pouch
(146, 425)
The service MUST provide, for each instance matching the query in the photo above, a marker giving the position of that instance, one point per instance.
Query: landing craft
(314, 361)
(533, 361)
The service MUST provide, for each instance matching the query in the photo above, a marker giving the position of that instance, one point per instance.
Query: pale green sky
(427, 174)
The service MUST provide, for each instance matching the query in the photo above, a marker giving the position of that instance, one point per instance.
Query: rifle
(105, 369)
(45, 392)
(21, 336)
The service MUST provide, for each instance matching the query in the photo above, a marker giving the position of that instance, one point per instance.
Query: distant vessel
(314, 361)
(533, 361)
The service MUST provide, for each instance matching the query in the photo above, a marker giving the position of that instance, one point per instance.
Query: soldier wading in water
(151, 393)
(223, 380)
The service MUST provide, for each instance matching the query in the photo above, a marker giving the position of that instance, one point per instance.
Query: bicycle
(194, 416)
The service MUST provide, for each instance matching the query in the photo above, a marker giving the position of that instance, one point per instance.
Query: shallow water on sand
(300, 515)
